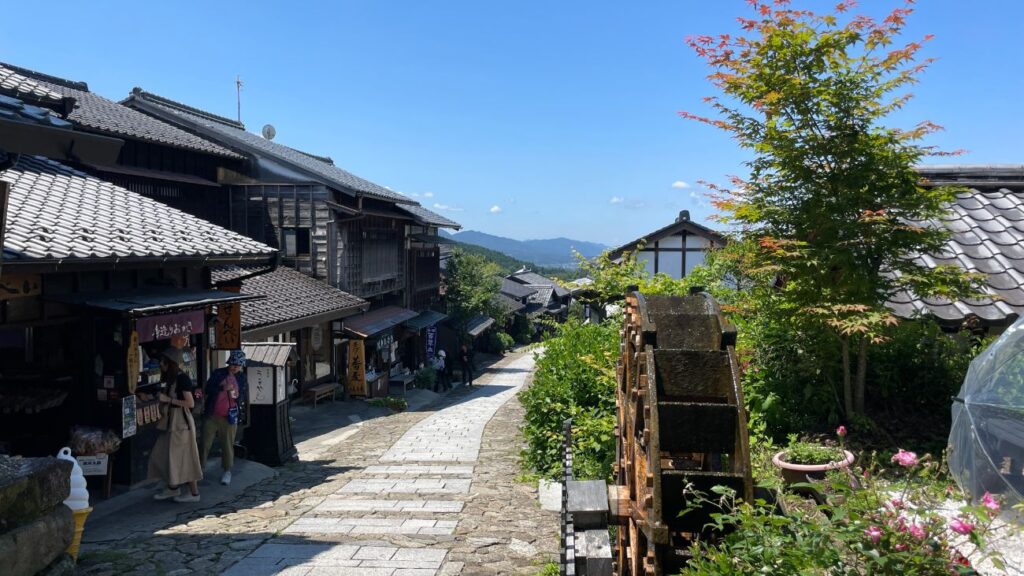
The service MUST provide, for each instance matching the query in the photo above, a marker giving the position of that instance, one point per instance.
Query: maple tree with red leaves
(832, 201)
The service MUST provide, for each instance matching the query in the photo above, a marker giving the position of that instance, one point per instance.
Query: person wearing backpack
(225, 392)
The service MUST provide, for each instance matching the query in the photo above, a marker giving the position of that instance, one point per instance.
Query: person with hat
(225, 392)
(175, 458)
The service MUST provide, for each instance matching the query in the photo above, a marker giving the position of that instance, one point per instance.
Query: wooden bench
(319, 391)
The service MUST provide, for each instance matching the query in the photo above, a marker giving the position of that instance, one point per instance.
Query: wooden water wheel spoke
(680, 424)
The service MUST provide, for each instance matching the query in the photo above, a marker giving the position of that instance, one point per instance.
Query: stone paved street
(413, 494)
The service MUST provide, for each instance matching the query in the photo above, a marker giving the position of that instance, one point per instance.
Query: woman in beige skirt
(175, 457)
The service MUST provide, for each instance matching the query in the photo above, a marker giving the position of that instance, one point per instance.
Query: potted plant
(803, 461)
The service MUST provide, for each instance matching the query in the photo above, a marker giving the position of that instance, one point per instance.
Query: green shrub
(811, 453)
(425, 378)
(390, 402)
(575, 378)
(499, 341)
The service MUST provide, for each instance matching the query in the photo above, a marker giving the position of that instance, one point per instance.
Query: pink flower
(991, 502)
(874, 533)
(904, 458)
(841, 431)
(900, 547)
(961, 526)
(896, 503)
(917, 531)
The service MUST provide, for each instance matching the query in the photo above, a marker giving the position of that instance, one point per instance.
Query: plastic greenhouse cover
(986, 441)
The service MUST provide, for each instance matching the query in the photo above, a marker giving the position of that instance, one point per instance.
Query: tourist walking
(466, 365)
(441, 383)
(224, 391)
(175, 456)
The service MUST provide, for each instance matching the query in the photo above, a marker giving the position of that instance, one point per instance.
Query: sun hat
(236, 358)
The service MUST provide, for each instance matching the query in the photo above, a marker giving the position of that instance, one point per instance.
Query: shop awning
(376, 321)
(425, 319)
(478, 324)
(142, 302)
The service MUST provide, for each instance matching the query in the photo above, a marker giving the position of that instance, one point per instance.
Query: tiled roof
(542, 295)
(987, 237)
(235, 135)
(428, 217)
(292, 295)
(97, 113)
(16, 109)
(534, 279)
(515, 289)
(21, 86)
(56, 212)
(508, 304)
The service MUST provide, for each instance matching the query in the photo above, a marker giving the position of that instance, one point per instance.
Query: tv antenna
(238, 88)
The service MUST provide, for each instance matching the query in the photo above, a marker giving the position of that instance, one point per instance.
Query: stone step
(410, 486)
(380, 526)
(335, 504)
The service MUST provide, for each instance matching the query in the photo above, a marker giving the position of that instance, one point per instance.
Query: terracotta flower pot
(796, 473)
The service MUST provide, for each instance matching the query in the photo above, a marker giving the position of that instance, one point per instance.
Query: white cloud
(446, 208)
(616, 200)
(428, 194)
(680, 185)
(495, 209)
(693, 194)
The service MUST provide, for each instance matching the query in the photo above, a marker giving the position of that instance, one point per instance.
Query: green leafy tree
(471, 282)
(832, 201)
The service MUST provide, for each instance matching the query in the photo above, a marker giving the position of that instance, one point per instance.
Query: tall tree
(471, 282)
(832, 198)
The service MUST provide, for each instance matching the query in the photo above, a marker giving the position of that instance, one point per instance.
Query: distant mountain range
(556, 252)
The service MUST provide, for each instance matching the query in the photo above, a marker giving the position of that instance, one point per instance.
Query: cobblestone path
(414, 494)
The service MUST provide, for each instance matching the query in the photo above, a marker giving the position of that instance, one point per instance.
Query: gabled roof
(293, 296)
(682, 223)
(58, 213)
(430, 218)
(542, 295)
(510, 305)
(515, 289)
(534, 279)
(97, 113)
(233, 134)
(987, 236)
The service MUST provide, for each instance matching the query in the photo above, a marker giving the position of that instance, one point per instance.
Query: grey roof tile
(57, 212)
(97, 113)
(292, 295)
(515, 289)
(234, 134)
(23, 86)
(987, 226)
(18, 110)
(534, 279)
(428, 217)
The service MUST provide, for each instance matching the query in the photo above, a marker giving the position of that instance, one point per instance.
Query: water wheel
(681, 425)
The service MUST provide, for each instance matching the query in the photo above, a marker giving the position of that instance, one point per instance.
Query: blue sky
(560, 114)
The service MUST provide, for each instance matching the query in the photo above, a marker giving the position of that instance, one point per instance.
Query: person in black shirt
(466, 364)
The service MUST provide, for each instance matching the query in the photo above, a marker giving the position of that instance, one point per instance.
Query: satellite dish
(269, 132)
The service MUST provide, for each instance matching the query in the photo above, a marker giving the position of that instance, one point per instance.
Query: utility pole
(238, 88)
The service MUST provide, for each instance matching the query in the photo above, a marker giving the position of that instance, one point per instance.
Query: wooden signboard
(133, 361)
(229, 327)
(356, 382)
(14, 286)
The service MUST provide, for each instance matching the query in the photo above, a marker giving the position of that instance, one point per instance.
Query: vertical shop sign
(356, 368)
(229, 326)
(133, 361)
(431, 341)
(261, 384)
(128, 422)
